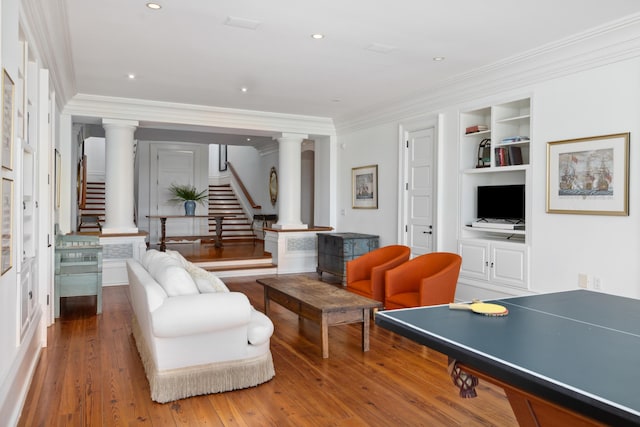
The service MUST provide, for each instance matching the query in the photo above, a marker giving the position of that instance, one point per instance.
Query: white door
(172, 166)
(419, 194)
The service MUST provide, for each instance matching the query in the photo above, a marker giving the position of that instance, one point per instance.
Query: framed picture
(8, 89)
(222, 157)
(364, 187)
(589, 175)
(7, 220)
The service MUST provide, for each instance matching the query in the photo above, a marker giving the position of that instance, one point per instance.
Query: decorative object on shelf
(8, 89)
(484, 153)
(222, 157)
(364, 187)
(7, 225)
(273, 185)
(189, 195)
(589, 175)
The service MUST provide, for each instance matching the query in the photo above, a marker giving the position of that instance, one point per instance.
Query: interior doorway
(418, 195)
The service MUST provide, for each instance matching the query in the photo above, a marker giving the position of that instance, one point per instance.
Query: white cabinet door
(509, 264)
(475, 259)
(499, 263)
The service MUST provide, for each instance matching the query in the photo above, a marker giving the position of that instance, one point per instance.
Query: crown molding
(195, 115)
(606, 44)
(268, 148)
(45, 23)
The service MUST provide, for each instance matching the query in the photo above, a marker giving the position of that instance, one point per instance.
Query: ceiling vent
(380, 48)
(248, 24)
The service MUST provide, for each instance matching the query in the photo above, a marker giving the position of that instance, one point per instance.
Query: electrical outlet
(583, 281)
(596, 284)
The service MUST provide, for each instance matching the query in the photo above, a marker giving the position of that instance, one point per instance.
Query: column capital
(120, 123)
(297, 136)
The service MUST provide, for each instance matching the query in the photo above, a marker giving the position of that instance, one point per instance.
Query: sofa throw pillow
(206, 281)
(177, 256)
(149, 256)
(175, 281)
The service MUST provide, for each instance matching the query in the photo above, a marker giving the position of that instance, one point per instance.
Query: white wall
(373, 146)
(600, 101)
(94, 150)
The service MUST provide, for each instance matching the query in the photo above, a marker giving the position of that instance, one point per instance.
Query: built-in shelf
(493, 256)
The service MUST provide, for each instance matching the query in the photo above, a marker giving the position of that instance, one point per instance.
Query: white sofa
(193, 335)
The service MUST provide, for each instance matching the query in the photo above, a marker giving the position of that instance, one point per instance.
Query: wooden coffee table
(320, 302)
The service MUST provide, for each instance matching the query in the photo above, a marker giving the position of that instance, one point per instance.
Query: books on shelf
(508, 156)
(502, 156)
(512, 139)
(515, 155)
(476, 128)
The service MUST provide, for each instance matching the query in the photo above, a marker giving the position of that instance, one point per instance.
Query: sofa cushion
(175, 280)
(206, 281)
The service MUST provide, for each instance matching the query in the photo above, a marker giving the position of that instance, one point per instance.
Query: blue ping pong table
(577, 352)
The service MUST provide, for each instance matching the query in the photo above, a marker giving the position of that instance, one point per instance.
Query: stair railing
(242, 188)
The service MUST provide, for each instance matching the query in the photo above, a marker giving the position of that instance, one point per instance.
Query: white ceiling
(185, 53)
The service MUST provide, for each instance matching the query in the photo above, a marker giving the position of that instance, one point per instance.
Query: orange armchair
(428, 279)
(365, 274)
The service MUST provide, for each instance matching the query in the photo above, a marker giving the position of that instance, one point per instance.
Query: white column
(289, 178)
(119, 176)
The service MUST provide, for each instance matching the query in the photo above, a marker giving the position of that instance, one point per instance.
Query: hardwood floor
(91, 375)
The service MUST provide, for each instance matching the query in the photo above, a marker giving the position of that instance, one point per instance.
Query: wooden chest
(335, 249)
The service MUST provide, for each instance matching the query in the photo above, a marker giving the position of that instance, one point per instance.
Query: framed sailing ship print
(364, 187)
(589, 175)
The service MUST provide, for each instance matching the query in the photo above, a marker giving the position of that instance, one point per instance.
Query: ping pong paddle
(486, 309)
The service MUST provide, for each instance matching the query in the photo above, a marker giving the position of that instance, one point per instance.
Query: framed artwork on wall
(7, 220)
(589, 175)
(8, 89)
(222, 157)
(364, 187)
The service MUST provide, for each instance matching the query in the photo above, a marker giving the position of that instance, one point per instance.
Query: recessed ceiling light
(131, 76)
(317, 36)
(154, 6)
(244, 89)
(248, 139)
(438, 58)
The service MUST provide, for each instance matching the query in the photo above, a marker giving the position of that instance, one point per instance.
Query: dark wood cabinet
(335, 249)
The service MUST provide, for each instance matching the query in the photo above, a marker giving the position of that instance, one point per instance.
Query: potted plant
(189, 195)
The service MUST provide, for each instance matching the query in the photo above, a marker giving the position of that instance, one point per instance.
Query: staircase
(92, 214)
(223, 201)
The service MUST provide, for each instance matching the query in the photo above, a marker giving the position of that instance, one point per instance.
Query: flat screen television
(501, 202)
